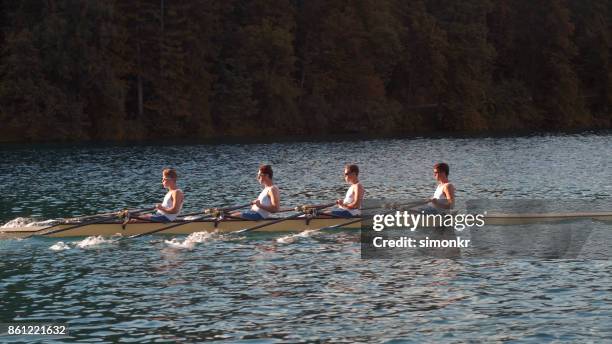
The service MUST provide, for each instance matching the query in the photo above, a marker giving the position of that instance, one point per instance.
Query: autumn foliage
(116, 70)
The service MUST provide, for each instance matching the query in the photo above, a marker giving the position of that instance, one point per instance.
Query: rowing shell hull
(523, 219)
(226, 226)
(292, 225)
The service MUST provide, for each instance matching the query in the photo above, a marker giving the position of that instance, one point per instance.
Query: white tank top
(439, 194)
(265, 200)
(167, 203)
(348, 199)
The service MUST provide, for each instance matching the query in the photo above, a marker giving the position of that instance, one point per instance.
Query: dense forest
(116, 70)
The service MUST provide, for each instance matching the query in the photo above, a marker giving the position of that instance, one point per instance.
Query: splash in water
(92, 241)
(289, 239)
(190, 242)
(29, 222)
(60, 246)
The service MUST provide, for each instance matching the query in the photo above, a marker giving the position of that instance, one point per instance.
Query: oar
(87, 217)
(211, 212)
(411, 204)
(69, 220)
(338, 225)
(119, 214)
(302, 210)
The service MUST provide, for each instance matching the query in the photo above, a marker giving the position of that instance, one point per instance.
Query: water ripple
(315, 288)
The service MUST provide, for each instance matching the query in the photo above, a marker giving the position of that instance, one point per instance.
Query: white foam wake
(85, 243)
(92, 241)
(17, 222)
(29, 222)
(60, 246)
(44, 223)
(288, 239)
(190, 242)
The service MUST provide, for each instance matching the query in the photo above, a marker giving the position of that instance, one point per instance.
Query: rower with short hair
(350, 206)
(444, 197)
(268, 201)
(172, 204)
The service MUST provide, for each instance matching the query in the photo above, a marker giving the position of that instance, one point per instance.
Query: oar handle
(216, 212)
(213, 211)
(97, 216)
(305, 209)
(301, 208)
(127, 212)
(309, 208)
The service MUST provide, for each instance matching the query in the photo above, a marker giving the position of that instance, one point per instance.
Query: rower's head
(169, 177)
(440, 171)
(351, 173)
(264, 175)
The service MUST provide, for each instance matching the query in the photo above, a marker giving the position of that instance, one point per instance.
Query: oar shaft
(236, 207)
(86, 223)
(159, 229)
(268, 223)
(319, 206)
(107, 214)
(302, 210)
(342, 224)
(220, 210)
(59, 230)
(412, 204)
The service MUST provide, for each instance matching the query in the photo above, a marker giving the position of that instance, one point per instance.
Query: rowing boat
(205, 225)
(289, 225)
(529, 218)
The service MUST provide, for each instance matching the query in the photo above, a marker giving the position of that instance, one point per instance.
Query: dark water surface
(255, 289)
(51, 182)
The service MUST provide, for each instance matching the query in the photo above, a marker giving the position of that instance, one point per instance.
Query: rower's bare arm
(177, 202)
(274, 199)
(449, 191)
(357, 193)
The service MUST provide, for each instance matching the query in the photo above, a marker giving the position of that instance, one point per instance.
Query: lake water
(254, 289)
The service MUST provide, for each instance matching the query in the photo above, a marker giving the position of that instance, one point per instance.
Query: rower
(172, 204)
(350, 206)
(267, 202)
(443, 198)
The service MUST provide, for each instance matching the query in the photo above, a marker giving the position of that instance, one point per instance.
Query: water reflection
(315, 288)
(70, 181)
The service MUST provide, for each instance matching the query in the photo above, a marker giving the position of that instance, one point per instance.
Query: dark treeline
(85, 69)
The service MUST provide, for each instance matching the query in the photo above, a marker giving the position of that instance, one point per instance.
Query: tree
(593, 41)
(470, 57)
(419, 77)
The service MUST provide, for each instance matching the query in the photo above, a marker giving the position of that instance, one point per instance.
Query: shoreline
(317, 138)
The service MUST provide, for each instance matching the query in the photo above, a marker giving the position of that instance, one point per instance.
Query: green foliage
(90, 69)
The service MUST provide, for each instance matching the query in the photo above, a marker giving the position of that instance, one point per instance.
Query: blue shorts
(251, 215)
(159, 218)
(341, 212)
